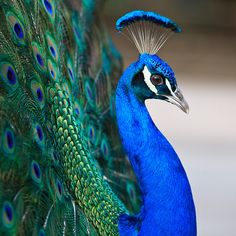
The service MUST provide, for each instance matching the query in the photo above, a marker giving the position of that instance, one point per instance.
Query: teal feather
(63, 170)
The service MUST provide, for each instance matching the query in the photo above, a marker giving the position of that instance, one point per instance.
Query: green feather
(62, 168)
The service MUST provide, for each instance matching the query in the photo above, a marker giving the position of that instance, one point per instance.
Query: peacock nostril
(179, 95)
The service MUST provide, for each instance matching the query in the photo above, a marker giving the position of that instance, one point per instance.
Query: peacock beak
(177, 99)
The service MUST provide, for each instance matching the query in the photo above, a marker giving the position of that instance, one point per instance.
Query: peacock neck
(168, 207)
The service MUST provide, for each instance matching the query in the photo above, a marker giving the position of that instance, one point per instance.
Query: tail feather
(58, 66)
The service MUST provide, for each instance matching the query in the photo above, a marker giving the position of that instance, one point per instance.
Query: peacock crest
(147, 30)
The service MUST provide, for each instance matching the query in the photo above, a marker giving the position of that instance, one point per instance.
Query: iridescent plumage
(63, 170)
(167, 203)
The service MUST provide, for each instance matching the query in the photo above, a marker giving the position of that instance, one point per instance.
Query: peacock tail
(62, 167)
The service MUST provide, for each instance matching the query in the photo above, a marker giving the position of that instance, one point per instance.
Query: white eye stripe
(147, 79)
(169, 87)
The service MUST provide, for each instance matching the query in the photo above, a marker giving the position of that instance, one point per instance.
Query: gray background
(204, 60)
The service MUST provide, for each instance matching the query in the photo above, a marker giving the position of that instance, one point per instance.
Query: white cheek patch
(169, 87)
(147, 79)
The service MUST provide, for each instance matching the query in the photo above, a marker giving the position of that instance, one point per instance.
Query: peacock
(79, 152)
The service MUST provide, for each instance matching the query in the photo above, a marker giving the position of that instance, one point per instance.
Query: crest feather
(148, 30)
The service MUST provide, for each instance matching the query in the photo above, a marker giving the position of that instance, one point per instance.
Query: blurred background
(204, 60)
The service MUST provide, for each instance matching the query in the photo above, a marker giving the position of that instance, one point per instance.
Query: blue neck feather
(168, 207)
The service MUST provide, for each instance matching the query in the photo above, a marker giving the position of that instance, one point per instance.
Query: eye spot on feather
(38, 55)
(48, 6)
(11, 76)
(70, 71)
(42, 233)
(59, 189)
(7, 215)
(52, 73)
(77, 32)
(52, 50)
(52, 68)
(71, 74)
(90, 92)
(91, 133)
(105, 148)
(18, 30)
(51, 45)
(8, 212)
(39, 59)
(16, 27)
(39, 132)
(8, 74)
(92, 129)
(79, 112)
(38, 93)
(8, 141)
(36, 172)
(130, 188)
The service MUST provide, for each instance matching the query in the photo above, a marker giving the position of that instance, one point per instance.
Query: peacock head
(150, 76)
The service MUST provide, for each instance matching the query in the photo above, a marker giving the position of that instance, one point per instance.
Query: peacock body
(63, 170)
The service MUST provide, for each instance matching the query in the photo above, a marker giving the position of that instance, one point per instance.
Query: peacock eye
(157, 79)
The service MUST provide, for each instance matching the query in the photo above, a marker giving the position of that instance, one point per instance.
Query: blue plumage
(168, 207)
(156, 65)
(167, 202)
(63, 169)
(135, 16)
